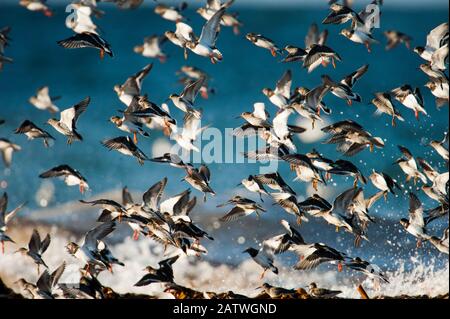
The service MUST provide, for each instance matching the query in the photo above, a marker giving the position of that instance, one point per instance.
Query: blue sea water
(237, 80)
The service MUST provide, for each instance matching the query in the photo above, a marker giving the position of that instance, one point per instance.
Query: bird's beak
(238, 185)
(238, 117)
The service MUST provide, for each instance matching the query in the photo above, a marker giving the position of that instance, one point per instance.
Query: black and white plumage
(67, 125)
(347, 168)
(343, 89)
(43, 101)
(206, 44)
(295, 54)
(415, 224)
(185, 101)
(312, 37)
(411, 98)
(285, 242)
(199, 178)
(228, 19)
(384, 182)
(37, 6)
(440, 89)
(151, 48)
(394, 38)
(280, 96)
(128, 125)
(163, 274)
(274, 181)
(408, 165)
(111, 206)
(340, 13)
(132, 86)
(36, 248)
(312, 255)
(363, 25)
(436, 49)
(4, 42)
(309, 103)
(351, 138)
(264, 257)
(171, 13)
(253, 185)
(71, 176)
(383, 103)
(289, 203)
(31, 131)
(320, 54)
(333, 214)
(320, 162)
(171, 159)
(441, 244)
(7, 148)
(88, 250)
(242, 207)
(284, 131)
(370, 270)
(5, 218)
(45, 285)
(304, 169)
(439, 147)
(87, 40)
(125, 146)
(263, 42)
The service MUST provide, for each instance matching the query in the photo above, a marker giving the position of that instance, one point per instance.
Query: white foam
(423, 279)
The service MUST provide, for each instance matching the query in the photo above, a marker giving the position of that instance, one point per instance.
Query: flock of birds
(168, 221)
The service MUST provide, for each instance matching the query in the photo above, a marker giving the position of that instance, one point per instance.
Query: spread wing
(153, 195)
(210, 30)
(260, 110)
(436, 35)
(234, 214)
(43, 95)
(284, 84)
(191, 91)
(70, 116)
(351, 79)
(98, 233)
(415, 211)
(204, 171)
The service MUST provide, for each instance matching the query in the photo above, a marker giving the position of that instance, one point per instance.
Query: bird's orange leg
(274, 53)
(48, 12)
(262, 275)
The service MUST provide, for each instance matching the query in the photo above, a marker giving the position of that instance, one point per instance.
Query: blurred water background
(238, 81)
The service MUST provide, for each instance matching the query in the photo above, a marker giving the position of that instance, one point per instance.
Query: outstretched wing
(153, 195)
(415, 211)
(191, 90)
(70, 116)
(98, 233)
(351, 79)
(210, 30)
(284, 84)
